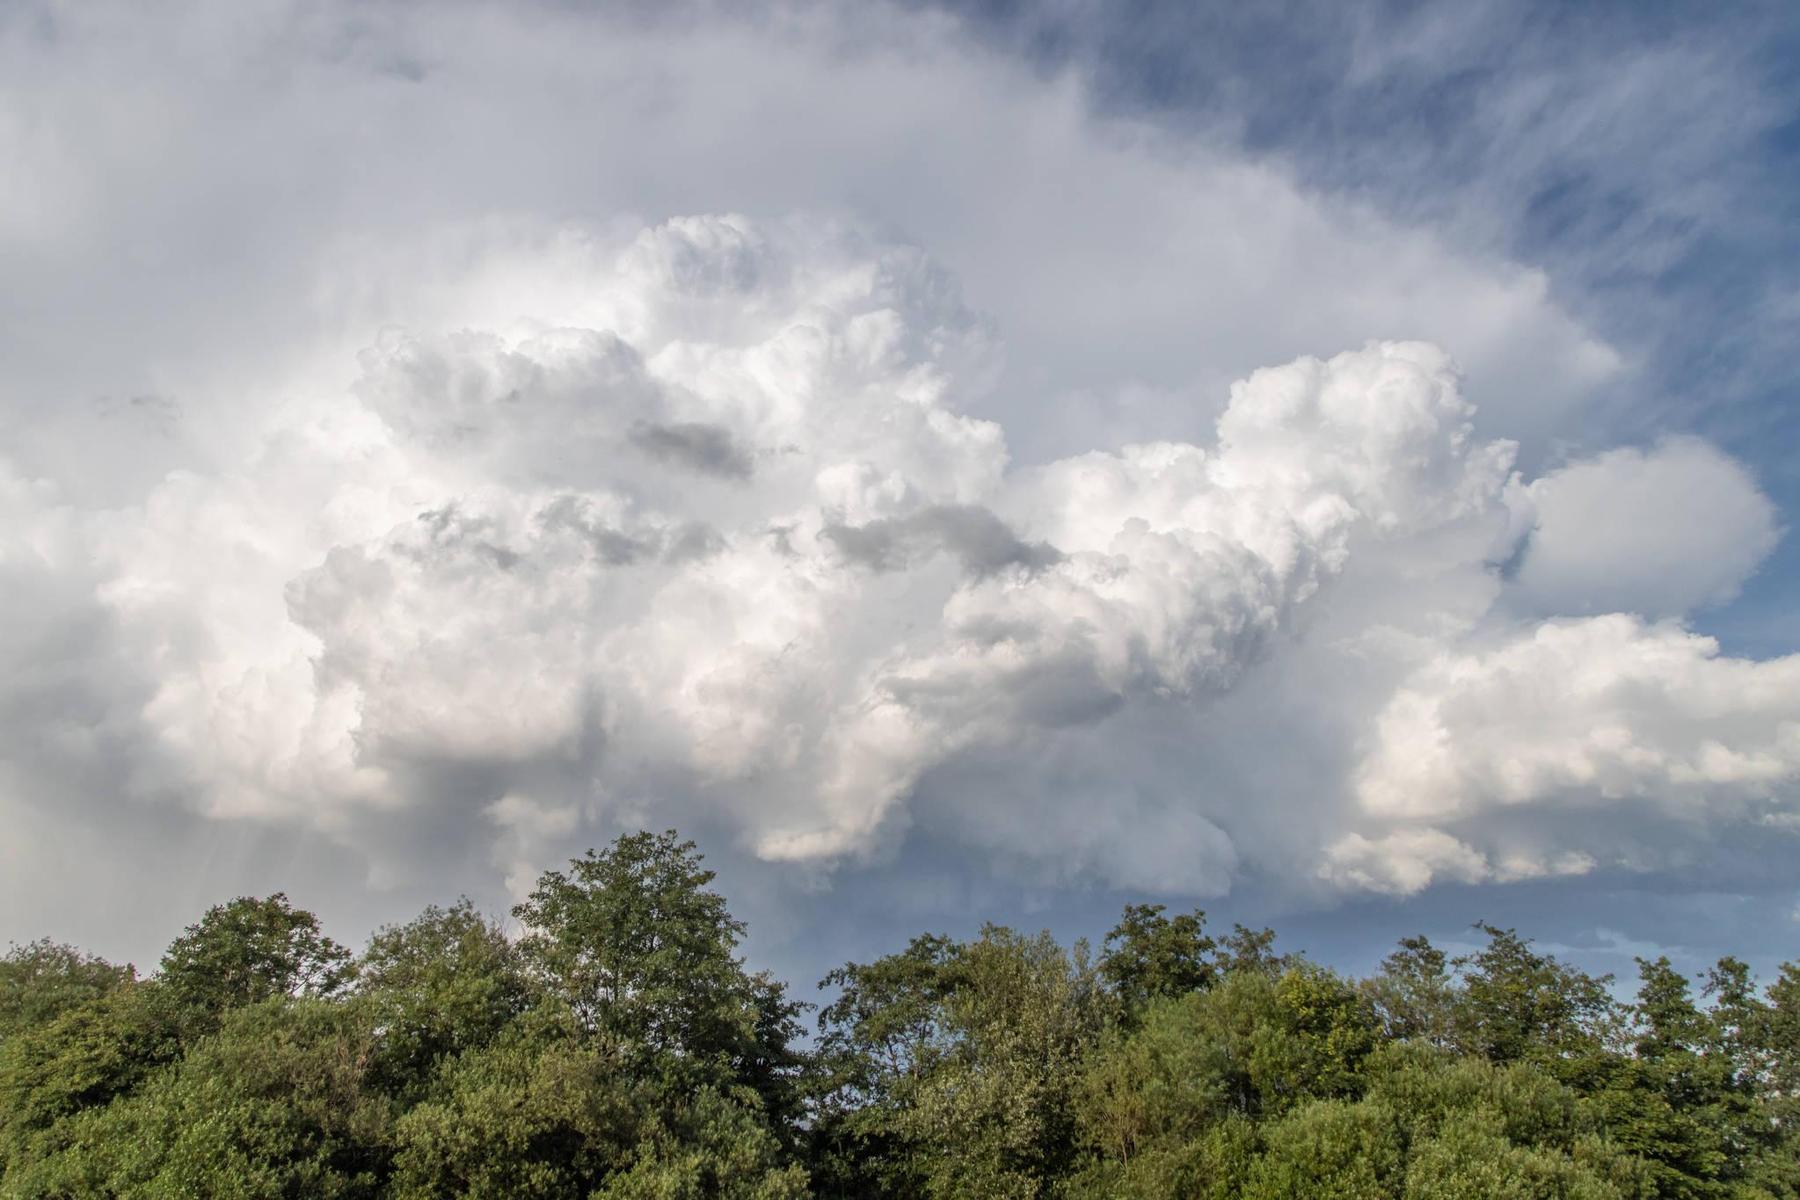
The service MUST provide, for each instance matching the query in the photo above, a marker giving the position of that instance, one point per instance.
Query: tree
(619, 1049)
(643, 954)
(882, 1036)
(1472, 1161)
(1677, 1101)
(955, 1065)
(1737, 1017)
(251, 950)
(1774, 1035)
(532, 1117)
(443, 984)
(1250, 1047)
(1148, 955)
(1330, 1148)
(996, 1117)
(1157, 1086)
(1330, 1030)
(548, 1113)
(1777, 1037)
(1518, 1004)
(1250, 950)
(272, 1105)
(80, 1061)
(43, 979)
(1414, 995)
(1214, 1164)
(708, 1147)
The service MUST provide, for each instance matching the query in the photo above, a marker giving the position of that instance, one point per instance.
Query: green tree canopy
(250, 950)
(43, 979)
(644, 954)
(617, 1047)
(447, 982)
(1519, 1004)
(1148, 955)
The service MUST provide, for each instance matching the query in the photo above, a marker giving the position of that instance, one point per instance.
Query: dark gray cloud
(977, 538)
(708, 449)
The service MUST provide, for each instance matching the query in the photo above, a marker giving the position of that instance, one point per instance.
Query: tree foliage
(250, 950)
(617, 1048)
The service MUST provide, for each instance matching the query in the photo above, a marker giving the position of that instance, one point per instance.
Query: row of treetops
(617, 1046)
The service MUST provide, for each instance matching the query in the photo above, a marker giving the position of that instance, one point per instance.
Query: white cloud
(234, 227)
(374, 475)
(1601, 710)
(1660, 532)
(1645, 725)
(473, 561)
(1407, 861)
(715, 546)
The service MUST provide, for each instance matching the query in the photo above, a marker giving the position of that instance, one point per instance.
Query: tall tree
(883, 1035)
(1414, 994)
(1250, 950)
(443, 984)
(1669, 1101)
(957, 1065)
(42, 979)
(644, 954)
(1519, 1004)
(249, 950)
(1148, 955)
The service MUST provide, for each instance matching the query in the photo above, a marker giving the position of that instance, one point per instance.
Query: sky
(1327, 464)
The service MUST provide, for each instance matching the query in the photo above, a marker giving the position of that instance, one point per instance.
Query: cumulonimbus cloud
(725, 546)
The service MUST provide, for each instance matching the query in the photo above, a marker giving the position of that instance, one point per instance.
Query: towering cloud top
(713, 541)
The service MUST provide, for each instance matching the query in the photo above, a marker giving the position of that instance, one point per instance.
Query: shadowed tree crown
(41, 979)
(1415, 994)
(1148, 954)
(1519, 1004)
(644, 953)
(249, 950)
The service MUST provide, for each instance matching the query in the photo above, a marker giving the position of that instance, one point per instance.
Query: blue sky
(959, 462)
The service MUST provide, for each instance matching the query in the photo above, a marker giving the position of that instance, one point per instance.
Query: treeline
(617, 1047)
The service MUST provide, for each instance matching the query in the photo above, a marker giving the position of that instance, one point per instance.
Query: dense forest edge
(618, 1047)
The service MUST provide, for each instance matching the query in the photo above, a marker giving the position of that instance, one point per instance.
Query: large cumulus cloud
(384, 512)
(718, 543)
